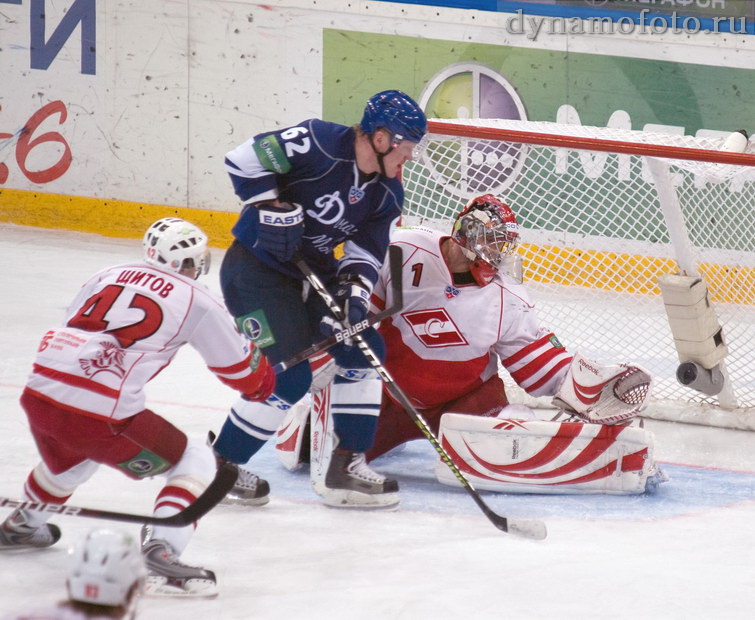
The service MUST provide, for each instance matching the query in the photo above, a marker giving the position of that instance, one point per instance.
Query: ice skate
(249, 490)
(16, 534)
(350, 483)
(168, 576)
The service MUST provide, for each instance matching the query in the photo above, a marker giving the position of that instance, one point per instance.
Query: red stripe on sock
(36, 493)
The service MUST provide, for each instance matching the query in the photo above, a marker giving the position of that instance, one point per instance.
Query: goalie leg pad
(290, 435)
(324, 368)
(322, 441)
(533, 456)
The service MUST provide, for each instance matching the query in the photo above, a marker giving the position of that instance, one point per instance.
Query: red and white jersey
(448, 338)
(122, 329)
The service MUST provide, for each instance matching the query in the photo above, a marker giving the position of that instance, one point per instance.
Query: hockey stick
(395, 258)
(528, 528)
(225, 478)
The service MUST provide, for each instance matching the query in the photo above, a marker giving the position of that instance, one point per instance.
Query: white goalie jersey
(447, 338)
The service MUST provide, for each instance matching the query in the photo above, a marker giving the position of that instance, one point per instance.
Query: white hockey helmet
(175, 244)
(487, 231)
(107, 568)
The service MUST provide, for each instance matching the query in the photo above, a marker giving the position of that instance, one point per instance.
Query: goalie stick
(527, 528)
(224, 479)
(395, 259)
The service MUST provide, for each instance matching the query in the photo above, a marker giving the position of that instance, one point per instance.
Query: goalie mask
(175, 244)
(107, 568)
(487, 231)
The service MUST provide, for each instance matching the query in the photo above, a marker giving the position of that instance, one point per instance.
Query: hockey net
(605, 213)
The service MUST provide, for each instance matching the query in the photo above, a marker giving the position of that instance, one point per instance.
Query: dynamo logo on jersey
(330, 207)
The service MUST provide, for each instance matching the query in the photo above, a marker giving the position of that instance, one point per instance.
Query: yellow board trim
(626, 273)
(112, 218)
(586, 268)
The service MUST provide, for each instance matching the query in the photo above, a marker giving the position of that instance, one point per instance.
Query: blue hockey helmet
(397, 113)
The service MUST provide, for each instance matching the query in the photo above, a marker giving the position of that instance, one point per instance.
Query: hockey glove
(265, 383)
(280, 229)
(604, 394)
(353, 295)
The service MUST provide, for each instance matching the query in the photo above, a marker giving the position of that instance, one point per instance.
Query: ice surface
(687, 552)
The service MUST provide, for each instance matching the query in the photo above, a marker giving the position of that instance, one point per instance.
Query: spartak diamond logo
(434, 328)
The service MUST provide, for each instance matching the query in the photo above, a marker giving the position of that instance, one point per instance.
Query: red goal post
(605, 213)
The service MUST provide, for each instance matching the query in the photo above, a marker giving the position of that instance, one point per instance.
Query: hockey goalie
(465, 314)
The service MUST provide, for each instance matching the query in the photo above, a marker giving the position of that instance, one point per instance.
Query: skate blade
(363, 507)
(162, 587)
(22, 548)
(235, 500)
(344, 498)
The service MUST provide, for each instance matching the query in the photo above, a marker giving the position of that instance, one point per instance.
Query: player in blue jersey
(305, 190)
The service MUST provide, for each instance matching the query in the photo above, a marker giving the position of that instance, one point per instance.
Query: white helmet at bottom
(107, 568)
(175, 244)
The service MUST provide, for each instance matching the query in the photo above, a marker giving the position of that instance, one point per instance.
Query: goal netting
(605, 212)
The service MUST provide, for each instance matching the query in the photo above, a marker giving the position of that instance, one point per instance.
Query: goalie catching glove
(603, 394)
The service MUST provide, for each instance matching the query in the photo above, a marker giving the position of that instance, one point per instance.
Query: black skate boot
(249, 490)
(349, 482)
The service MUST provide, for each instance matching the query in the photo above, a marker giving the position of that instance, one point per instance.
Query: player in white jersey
(105, 579)
(464, 311)
(85, 399)
(461, 315)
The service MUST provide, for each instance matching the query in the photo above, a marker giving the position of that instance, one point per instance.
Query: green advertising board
(692, 96)
(537, 84)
